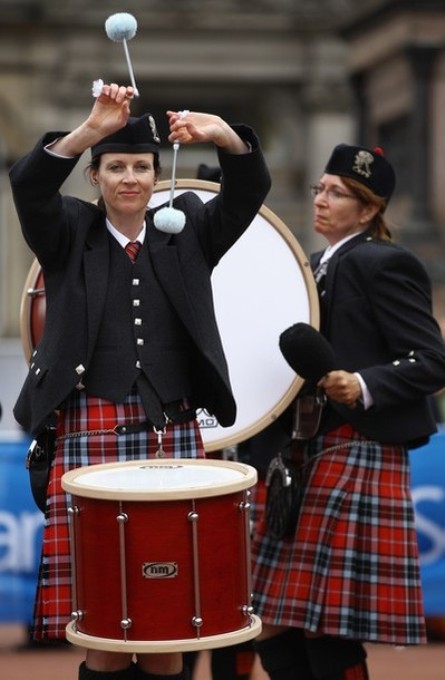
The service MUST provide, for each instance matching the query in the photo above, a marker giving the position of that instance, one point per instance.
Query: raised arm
(110, 113)
(195, 128)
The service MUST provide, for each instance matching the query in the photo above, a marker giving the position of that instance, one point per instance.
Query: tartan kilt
(351, 569)
(53, 602)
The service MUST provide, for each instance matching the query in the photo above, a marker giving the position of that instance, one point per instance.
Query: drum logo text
(159, 569)
(205, 419)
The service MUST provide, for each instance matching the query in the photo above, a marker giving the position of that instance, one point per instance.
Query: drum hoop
(162, 646)
(305, 269)
(25, 309)
(70, 481)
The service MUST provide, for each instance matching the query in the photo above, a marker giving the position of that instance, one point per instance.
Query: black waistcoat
(139, 332)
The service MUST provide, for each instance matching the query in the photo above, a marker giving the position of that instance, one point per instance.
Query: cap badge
(362, 163)
(154, 131)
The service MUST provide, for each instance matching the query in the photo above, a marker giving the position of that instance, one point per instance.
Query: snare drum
(160, 553)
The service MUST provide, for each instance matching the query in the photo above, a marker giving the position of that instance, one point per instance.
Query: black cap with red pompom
(368, 166)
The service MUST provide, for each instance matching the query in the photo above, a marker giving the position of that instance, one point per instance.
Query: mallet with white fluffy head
(121, 27)
(169, 219)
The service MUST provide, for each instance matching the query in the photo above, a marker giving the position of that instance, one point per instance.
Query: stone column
(421, 60)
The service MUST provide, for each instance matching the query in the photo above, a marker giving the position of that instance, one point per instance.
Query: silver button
(135, 282)
(138, 364)
(38, 371)
(396, 362)
(140, 341)
(136, 303)
(80, 369)
(138, 322)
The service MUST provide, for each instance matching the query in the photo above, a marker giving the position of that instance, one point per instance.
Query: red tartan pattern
(53, 603)
(352, 567)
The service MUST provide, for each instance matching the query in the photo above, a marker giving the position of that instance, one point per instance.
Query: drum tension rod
(126, 622)
(197, 620)
(73, 511)
(245, 506)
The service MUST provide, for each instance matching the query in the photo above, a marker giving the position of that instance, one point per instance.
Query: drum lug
(126, 624)
(77, 615)
(245, 504)
(247, 609)
(197, 621)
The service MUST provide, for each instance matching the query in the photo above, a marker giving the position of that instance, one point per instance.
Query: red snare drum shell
(160, 534)
(160, 550)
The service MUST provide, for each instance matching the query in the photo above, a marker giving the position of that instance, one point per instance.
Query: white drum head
(161, 479)
(263, 285)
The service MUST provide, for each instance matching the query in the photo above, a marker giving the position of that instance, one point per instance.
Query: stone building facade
(305, 73)
(276, 64)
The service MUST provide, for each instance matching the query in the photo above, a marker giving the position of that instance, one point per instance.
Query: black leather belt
(176, 412)
(133, 428)
(179, 411)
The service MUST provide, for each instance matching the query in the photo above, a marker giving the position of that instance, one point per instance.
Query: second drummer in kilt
(349, 572)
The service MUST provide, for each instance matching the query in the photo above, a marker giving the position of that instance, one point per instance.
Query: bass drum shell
(263, 285)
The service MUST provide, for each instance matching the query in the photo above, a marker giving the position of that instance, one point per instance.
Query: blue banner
(20, 535)
(21, 528)
(428, 491)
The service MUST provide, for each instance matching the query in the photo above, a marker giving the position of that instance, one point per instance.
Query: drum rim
(151, 646)
(70, 481)
(25, 309)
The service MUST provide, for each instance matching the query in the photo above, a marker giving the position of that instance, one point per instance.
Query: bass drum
(263, 285)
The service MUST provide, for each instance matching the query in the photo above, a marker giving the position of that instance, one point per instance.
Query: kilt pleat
(351, 569)
(53, 603)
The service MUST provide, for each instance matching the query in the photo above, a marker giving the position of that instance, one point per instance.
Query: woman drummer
(130, 347)
(349, 572)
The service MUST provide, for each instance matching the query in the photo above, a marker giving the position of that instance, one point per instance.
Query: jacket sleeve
(35, 181)
(400, 296)
(245, 184)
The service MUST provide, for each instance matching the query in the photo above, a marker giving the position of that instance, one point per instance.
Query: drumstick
(169, 219)
(121, 27)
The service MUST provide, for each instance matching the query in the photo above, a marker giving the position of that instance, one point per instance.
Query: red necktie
(132, 248)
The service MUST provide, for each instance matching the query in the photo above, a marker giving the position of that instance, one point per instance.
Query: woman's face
(126, 182)
(337, 211)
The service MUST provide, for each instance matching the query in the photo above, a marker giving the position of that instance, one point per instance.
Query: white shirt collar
(123, 240)
(330, 250)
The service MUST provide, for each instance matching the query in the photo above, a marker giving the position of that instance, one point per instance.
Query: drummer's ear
(93, 175)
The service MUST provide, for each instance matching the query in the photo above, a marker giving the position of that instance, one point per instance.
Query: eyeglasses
(331, 194)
